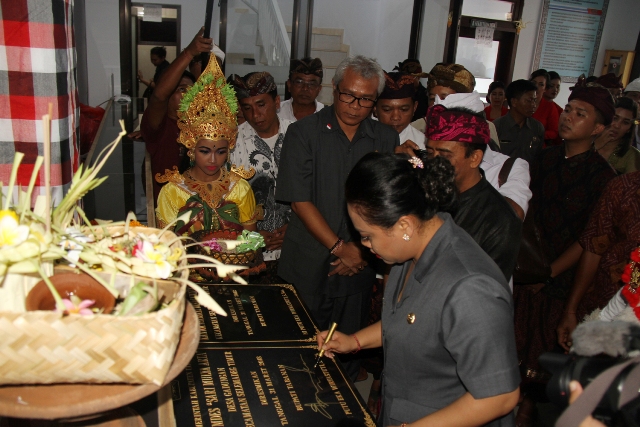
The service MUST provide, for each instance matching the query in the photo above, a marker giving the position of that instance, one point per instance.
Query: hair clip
(416, 162)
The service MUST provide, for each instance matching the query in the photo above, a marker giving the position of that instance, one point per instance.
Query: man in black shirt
(461, 136)
(321, 253)
(520, 135)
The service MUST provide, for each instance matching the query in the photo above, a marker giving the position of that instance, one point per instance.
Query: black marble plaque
(255, 314)
(265, 387)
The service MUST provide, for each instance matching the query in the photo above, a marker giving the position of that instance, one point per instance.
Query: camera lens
(566, 368)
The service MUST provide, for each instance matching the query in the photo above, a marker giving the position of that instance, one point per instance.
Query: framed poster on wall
(569, 37)
(619, 62)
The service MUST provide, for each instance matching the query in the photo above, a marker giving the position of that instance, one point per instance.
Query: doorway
(483, 36)
(258, 38)
(142, 27)
(158, 28)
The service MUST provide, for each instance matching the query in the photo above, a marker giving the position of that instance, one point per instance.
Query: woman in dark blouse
(447, 326)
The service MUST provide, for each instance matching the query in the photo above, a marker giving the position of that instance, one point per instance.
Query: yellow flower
(11, 232)
(175, 255)
(155, 255)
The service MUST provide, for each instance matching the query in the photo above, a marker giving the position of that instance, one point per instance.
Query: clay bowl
(81, 285)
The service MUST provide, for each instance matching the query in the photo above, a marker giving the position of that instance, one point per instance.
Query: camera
(566, 368)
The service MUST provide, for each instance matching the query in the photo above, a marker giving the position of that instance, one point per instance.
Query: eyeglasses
(347, 98)
(309, 85)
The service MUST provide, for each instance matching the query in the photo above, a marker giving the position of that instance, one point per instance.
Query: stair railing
(253, 4)
(272, 31)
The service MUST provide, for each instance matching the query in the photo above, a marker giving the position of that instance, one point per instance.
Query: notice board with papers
(569, 37)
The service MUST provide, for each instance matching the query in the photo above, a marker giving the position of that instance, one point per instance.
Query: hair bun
(384, 187)
(437, 178)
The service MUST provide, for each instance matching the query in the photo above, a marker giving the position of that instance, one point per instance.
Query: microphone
(616, 339)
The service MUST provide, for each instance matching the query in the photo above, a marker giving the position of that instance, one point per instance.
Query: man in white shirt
(516, 187)
(304, 84)
(396, 105)
(258, 146)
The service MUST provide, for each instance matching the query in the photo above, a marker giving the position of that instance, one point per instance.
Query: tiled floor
(364, 387)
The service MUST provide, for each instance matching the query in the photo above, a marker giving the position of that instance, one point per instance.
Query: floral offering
(31, 240)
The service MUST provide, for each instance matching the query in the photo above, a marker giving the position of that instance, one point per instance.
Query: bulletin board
(569, 37)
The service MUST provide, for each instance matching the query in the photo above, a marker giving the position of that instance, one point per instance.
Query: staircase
(326, 44)
(273, 47)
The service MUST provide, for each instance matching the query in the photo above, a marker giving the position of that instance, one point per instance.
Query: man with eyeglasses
(520, 134)
(304, 84)
(321, 253)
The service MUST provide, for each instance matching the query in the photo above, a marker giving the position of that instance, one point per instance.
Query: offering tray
(253, 260)
(55, 401)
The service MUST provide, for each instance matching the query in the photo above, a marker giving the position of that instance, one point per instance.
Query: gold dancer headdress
(208, 109)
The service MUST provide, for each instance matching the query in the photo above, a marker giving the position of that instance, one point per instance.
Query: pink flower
(213, 245)
(77, 306)
(138, 247)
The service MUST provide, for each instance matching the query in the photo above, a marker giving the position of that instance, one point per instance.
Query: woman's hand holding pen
(339, 343)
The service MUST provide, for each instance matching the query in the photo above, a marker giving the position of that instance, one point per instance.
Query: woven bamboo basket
(45, 347)
(251, 259)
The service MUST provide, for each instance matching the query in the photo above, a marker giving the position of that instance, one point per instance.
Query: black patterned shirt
(565, 191)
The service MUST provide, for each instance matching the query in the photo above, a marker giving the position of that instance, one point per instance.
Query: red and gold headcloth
(208, 109)
(445, 124)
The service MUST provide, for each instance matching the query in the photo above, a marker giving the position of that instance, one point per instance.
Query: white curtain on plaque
(484, 36)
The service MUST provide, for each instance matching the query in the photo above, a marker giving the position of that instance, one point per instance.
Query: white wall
(434, 33)
(620, 32)
(103, 40)
(358, 18)
(393, 32)
(375, 28)
(286, 10)
(527, 40)
(103, 48)
(241, 28)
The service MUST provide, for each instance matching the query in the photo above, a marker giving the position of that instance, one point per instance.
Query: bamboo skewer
(46, 122)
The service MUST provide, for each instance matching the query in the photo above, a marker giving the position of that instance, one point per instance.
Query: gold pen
(332, 329)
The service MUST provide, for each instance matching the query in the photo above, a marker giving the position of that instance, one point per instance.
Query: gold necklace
(212, 192)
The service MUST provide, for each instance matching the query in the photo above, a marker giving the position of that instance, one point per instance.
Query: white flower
(156, 255)
(11, 232)
(73, 243)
